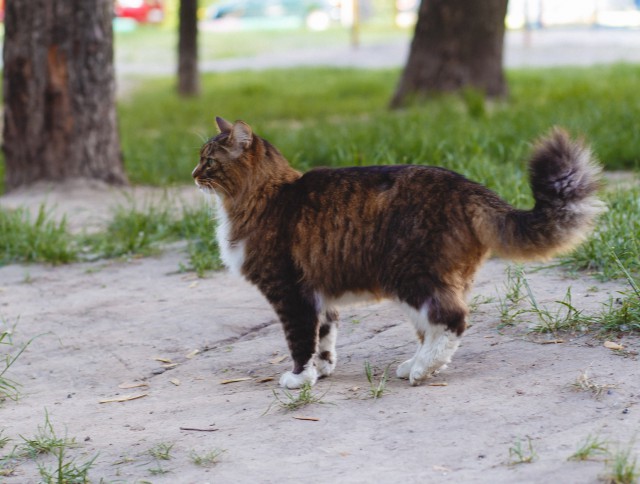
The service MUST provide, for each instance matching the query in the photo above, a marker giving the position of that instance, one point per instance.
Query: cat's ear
(223, 125)
(241, 134)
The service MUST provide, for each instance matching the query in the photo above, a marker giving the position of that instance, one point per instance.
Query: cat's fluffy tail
(564, 177)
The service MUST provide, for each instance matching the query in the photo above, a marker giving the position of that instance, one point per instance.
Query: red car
(142, 11)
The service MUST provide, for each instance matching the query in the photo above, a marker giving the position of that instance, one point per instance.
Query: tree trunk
(59, 92)
(456, 44)
(188, 78)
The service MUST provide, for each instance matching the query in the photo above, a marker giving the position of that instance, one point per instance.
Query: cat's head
(225, 159)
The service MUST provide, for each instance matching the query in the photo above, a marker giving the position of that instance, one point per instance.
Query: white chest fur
(232, 255)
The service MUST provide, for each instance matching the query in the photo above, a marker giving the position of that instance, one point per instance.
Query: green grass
(590, 448)
(618, 315)
(34, 240)
(328, 116)
(376, 388)
(45, 441)
(66, 471)
(291, 402)
(9, 389)
(622, 467)
(617, 236)
(521, 454)
(206, 459)
(133, 231)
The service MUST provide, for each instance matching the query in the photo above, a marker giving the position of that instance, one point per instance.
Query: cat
(412, 234)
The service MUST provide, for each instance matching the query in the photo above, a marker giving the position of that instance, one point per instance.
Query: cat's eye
(210, 161)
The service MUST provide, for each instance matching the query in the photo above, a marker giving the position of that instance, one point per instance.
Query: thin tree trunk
(59, 92)
(456, 44)
(188, 77)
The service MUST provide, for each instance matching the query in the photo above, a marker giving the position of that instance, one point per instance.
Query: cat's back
(384, 184)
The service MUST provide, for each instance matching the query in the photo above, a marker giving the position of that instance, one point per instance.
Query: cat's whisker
(221, 188)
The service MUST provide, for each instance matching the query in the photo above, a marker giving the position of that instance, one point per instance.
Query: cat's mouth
(203, 188)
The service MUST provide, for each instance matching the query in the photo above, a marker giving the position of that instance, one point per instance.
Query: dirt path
(104, 324)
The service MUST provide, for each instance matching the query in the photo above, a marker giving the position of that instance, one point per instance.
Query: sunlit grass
(334, 117)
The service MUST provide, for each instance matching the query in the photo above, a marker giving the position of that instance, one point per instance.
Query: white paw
(419, 373)
(404, 370)
(326, 366)
(291, 380)
(416, 376)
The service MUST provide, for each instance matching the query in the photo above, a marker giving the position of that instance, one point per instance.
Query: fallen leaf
(175, 381)
(192, 354)
(127, 386)
(193, 284)
(163, 360)
(278, 359)
(441, 469)
(234, 380)
(552, 341)
(124, 398)
(612, 346)
(265, 379)
(170, 365)
(438, 384)
(310, 419)
(198, 430)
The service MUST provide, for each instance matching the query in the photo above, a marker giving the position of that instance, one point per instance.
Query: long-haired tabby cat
(412, 234)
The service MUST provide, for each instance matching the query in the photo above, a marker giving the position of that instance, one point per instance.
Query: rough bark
(188, 78)
(59, 92)
(456, 44)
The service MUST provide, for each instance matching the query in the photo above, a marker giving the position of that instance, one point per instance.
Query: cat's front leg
(300, 323)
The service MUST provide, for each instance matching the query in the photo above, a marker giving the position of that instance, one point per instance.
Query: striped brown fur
(413, 234)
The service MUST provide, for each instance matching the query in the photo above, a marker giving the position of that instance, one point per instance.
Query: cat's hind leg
(326, 357)
(439, 322)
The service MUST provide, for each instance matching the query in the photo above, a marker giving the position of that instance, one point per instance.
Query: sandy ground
(103, 324)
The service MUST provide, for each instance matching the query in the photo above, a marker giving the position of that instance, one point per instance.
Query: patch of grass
(143, 232)
(304, 397)
(622, 467)
(39, 240)
(66, 471)
(322, 119)
(590, 448)
(379, 388)
(585, 383)
(133, 231)
(158, 470)
(614, 248)
(197, 226)
(623, 314)
(509, 306)
(565, 318)
(3, 440)
(521, 454)
(207, 459)
(8, 387)
(45, 442)
(7, 468)
(161, 451)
